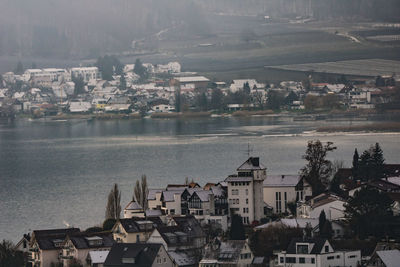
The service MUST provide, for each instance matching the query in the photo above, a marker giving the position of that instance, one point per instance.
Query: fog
(82, 29)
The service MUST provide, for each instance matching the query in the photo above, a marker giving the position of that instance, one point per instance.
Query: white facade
(88, 73)
(279, 190)
(245, 191)
(308, 254)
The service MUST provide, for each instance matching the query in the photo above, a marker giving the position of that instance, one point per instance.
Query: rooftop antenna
(249, 149)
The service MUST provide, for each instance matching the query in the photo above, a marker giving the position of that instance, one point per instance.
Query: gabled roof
(253, 163)
(143, 254)
(133, 225)
(390, 258)
(317, 248)
(133, 205)
(203, 195)
(224, 252)
(81, 241)
(46, 239)
(98, 256)
(189, 225)
(282, 180)
(152, 193)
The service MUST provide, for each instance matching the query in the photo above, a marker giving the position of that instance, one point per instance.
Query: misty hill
(88, 28)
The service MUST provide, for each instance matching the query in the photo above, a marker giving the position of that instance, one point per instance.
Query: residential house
(279, 190)
(133, 209)
(201, 203)
(385, 258)
(23, 244)
(87, 73)
(46, 246)
(134, 230)
(138, 254)
(154, 199)
(245, 190)
(228, 253)
(198, 81)
(331, 204)
(182, 233)
(77, 246)
(316, 252)
(97, 258)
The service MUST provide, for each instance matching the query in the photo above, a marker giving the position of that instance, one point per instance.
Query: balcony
(66, 257)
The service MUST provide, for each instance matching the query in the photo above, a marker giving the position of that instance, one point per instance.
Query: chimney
(255, 161)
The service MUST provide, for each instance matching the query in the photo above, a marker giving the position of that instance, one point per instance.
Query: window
(302, 249)
(330, 257)
(351, 256)
(326, 249)
(313, 260)
(278, 202)
(247, 192)
(247, 201)
(137, 238)
(281, 259)
(172, 211)
(235, 191)
(285, 199)
(302, 260)
(291, 260)
(337, 256)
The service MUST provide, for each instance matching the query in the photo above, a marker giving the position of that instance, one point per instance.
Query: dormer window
(326, 249)
(302, 249)
(58, 243)
(94, 241)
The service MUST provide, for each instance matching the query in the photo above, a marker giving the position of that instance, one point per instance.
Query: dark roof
(318, 245)
(81, 241)
(131, 225)
(144, 254)
(253, 163)
(190, 226)
(46, 239)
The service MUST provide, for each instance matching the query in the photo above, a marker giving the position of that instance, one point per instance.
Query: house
(201, 203)
(133, 209)
(198, 81)
(154, 199)
(332, 205)
(245, 190)
(79, 107)
(182, 233)
(138, 254)
(97, 258)
(134, 230)
(228, 253)
(316, 252)
(77, 246)
(279, 190)
(385, 258)
(381, 185)
(46, 246)
(87, 73)
(23, 244)
(239, 84)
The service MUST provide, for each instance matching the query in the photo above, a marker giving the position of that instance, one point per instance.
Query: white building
(87, 73)
(279, 190)
(318, 252)
(239, 84)
(332, 205)
(133, 209)
(245, 191)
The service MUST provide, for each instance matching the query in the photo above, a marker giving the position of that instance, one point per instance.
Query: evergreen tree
(246, 88)
(322, 221)
(217, 99)
(113, 209)
(122, 82)
(178, 99)
(378, 162)
(19, 69)
(354, 168)
(140, 70)
(369, 212)
(79, 85)
(326, 231)
(237, 229)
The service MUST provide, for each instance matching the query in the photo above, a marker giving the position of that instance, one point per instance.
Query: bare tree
(113, 209)
(141, 191)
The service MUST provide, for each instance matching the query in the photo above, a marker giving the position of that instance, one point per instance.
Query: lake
(54, 174)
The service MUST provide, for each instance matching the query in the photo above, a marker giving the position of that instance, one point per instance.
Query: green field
(240, 47)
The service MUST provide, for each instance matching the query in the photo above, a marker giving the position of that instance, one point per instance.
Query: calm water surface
(54, 174)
